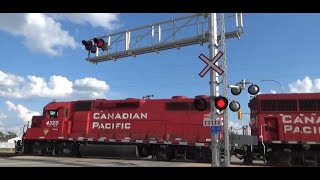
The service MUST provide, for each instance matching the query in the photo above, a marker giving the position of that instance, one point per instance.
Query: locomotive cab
(51, 123)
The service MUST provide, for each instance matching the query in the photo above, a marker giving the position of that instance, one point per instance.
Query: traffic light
(239, 114)
(200, 104)
(220, 102)
(101, 44)
(89, 46)
(253, 89)
(234, 106)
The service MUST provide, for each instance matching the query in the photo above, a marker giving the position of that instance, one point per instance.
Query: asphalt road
(41, 161)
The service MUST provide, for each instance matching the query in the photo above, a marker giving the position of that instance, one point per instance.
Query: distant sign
(212, 120)
(208, 122)
(216, 129)
(211, 64)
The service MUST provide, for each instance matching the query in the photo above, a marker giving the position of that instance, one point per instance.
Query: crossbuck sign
(211, 64)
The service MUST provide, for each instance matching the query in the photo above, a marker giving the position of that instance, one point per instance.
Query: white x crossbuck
(211, 64)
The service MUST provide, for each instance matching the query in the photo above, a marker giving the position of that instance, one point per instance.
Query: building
(7, 142)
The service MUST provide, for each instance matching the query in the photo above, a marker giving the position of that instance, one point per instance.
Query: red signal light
(101, 43)
(87, 45)
(221, 103)
(200, 104)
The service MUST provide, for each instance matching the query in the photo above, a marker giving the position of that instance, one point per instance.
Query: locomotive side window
(127, 105)
(279, 105)
(178, 106)
(192, 107)
(83, 106)
(268, 105)
(309, 105)
(287, 105)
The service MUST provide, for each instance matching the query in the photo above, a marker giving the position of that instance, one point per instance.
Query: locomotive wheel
(169, 155)
(142, 151)
(247, 159)
(274, 157)
(27, 148)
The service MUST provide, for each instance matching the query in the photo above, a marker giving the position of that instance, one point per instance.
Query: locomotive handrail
(264, 147)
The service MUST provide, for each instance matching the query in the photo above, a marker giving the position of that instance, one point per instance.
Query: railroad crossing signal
(253, 89)
(88, 45)
(101, 44)
(235, 91)
(221, 103)
(211, 64)
(200, 104)
(234, 106)
(210, 34)
(97, 43)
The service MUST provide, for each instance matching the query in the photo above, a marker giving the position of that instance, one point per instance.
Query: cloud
(22, 112)
(105, 20)
(307, 85)
(9, 80)
(56, 87)
(3, 116)
(90, 88)
(41, 33)
(44, 33)
(91, 84)
(273, 92)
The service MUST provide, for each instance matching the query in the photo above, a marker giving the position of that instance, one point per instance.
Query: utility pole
(214, 91)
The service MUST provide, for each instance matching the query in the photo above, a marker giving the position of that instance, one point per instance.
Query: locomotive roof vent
(179, 97)
(201, 96)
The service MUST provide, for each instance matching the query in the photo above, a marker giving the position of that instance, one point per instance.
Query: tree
(1, 133)
(10, 133)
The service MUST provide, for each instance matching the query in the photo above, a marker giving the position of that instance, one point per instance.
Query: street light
(276, 82)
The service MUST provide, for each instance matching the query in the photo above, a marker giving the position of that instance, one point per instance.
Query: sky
(42, 59)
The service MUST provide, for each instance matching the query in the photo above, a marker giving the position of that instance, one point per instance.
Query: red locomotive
(288, 127)
(285, 128)
(163, 128)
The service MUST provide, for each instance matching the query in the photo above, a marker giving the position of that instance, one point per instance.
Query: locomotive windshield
(53, 113)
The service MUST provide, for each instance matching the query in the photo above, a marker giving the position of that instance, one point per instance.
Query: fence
(7, 147)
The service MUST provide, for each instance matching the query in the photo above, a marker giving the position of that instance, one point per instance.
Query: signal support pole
(225, 94)
(213, 50)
